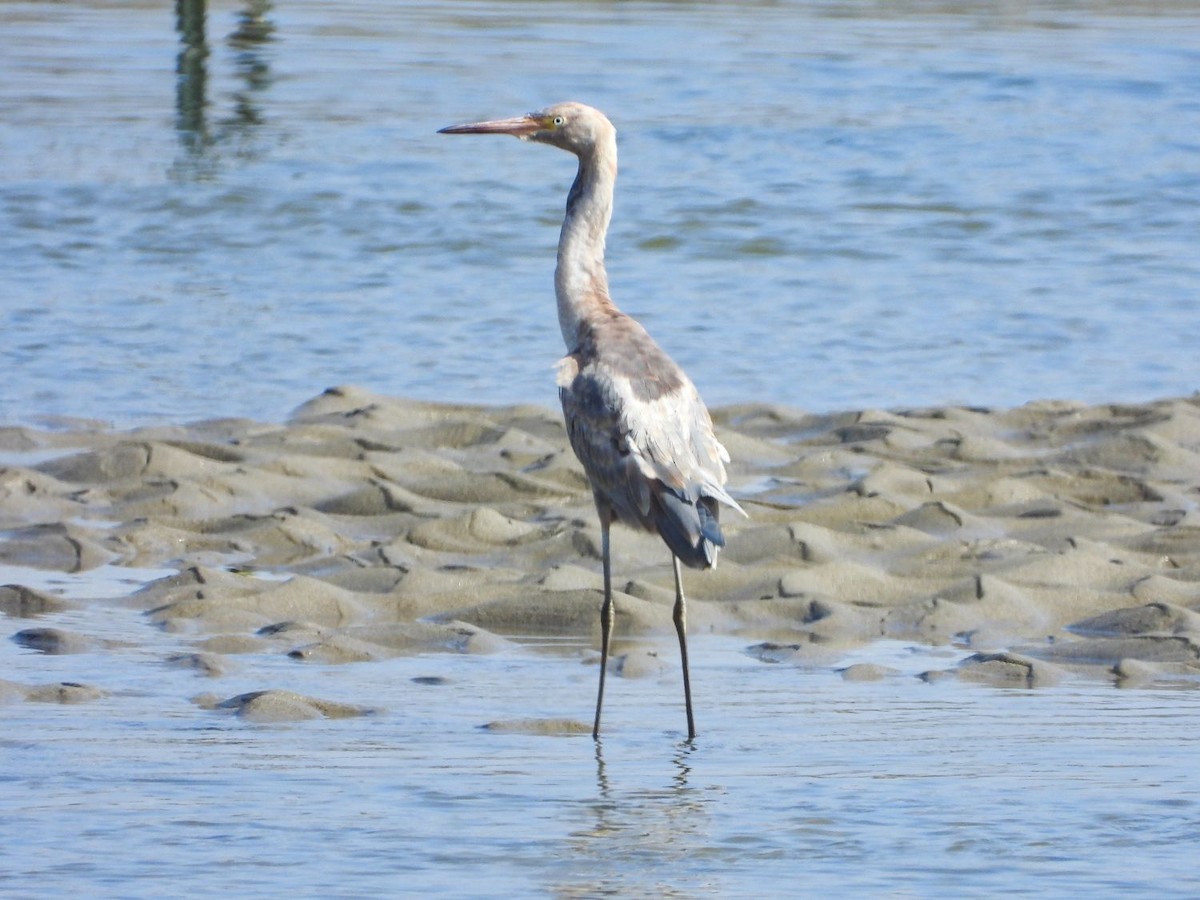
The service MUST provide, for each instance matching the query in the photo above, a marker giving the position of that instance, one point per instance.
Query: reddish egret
(635, 420)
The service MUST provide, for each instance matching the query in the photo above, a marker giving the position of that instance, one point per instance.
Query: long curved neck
(580, 281)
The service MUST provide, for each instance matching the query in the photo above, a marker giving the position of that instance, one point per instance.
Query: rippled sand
(1050, 540)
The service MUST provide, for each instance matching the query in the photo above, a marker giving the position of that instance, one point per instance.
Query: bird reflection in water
(669, 825)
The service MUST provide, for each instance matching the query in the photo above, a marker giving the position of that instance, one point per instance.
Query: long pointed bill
(518, 126)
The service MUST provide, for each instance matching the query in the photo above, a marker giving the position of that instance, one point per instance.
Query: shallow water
(830, 205)
(798, 781)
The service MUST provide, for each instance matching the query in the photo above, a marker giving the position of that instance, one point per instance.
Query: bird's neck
(580, 281)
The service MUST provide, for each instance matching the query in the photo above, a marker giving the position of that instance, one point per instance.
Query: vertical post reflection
(254, 31)
(191, 69)
(200, 133)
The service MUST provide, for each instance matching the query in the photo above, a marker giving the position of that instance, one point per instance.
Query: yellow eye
(559, 121)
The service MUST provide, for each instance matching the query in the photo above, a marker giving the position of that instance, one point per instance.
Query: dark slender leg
(681, 628)
(606, 623)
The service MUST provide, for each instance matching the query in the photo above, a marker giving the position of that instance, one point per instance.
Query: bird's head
(571, 126)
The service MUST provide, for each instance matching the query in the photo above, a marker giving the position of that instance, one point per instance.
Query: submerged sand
(1051, 539)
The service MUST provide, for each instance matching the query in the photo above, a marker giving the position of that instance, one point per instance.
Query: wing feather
(639, 428)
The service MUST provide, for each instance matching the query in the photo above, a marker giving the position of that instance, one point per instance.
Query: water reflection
(830, 198)
(254, 31)
(251, 63)
(191, 69)
(603, 788)
(662, 830)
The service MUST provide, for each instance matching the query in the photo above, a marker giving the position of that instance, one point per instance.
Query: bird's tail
(691, 528)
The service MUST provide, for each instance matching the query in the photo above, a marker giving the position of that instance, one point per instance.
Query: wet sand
(1051, 541)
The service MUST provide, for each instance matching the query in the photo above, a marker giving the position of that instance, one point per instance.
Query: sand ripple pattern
(1050, 539)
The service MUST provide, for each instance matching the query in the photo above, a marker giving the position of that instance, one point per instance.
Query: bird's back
(644, 437)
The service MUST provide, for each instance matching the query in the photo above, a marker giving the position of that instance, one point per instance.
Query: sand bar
(1052, 540)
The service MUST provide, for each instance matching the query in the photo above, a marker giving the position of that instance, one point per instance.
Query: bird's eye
(559, 121)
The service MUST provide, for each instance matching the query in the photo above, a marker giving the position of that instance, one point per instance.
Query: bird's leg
(606, 621)
(681, 627)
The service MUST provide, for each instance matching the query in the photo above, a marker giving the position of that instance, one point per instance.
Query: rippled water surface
(799, 782)
(830, 204)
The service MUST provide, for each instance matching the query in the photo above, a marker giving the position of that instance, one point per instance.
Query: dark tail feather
(691, 529)
(710, 520)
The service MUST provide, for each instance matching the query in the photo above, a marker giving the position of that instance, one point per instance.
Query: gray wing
(639, 427)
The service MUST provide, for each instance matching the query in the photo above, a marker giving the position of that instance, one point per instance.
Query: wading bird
(635, 420)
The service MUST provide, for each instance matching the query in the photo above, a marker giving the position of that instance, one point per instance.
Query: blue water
(799, 784)
(829, 205)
